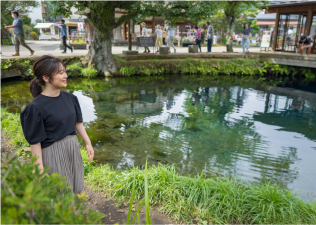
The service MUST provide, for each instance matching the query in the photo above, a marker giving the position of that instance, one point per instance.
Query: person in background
(145, 34)
(198, 37)
(63, 27)
(164, 34)
(171, 34)
(158, 32)
(52, 120)
(210, 36)
(19, 34)
(245, 38)
(305, 42)
(234, 37)
(289, 36)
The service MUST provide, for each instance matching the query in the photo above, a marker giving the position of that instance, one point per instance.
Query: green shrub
(74, 70)
(7, 63)
(185, 41)
(224, 40)
(27, 198)
(89, 72)
(33, 35)
(78, 42)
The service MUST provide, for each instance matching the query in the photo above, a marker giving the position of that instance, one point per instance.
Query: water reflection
(226, 126)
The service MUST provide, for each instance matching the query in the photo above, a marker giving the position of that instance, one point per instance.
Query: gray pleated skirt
(64, 157)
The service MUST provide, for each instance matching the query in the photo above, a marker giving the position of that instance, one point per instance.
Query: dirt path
(97, 201)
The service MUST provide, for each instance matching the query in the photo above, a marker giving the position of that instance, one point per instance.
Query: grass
(188, 199)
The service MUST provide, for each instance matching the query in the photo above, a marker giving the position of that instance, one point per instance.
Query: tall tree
(8, 6)
(234, 11)
(101, 14)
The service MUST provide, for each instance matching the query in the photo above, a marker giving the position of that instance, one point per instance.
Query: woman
(164, 34)
(245, 38)
(198, 38)
(145, 34)
(158, 32)
(50, 123)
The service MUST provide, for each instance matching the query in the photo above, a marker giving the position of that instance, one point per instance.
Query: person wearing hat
(19, 34)
(305, 42)
(145, 34)
(158, 32)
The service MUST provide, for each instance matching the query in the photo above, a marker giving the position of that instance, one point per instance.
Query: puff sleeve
(33, 125)
(78, 110)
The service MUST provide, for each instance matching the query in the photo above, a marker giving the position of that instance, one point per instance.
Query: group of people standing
(165, 35)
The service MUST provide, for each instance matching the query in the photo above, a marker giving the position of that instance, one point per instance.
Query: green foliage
(33, 35)
(11, 127)
(78, 42)
(89, 72)
(74, 70)
(199, 199)
(128, 71)
(29, 198)
(255, 28)
(119, 59)
(6, 64)
(26, 19)
(224, 40)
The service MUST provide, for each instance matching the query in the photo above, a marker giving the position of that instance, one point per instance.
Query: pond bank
(198, 199)
(156, 64)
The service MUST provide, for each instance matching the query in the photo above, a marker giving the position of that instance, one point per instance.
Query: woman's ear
(46, 79)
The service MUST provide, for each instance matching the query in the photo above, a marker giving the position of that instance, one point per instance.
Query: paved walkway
(52, 48)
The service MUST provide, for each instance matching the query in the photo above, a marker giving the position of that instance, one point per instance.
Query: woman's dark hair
(245, 25)
(46, 65)
(196, 27)
(62, 20)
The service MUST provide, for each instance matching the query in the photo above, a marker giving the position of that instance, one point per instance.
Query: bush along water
(243, 67)
(198, 199)
(28, 197)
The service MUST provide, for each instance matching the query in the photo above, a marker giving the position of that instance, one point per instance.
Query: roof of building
(43, 25)
(277, 4)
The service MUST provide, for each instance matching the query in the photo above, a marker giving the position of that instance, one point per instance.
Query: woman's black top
(49, 119)
(246, 31)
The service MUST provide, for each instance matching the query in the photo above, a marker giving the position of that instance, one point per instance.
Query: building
(293, 19)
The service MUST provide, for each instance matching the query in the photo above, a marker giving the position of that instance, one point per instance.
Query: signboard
(266, 39)
(146, 41)
(253, 41)
(80, 26)
(4, 34)
(137, 28)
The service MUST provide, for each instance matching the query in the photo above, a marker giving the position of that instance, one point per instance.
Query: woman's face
(246, 25)
(60, 78)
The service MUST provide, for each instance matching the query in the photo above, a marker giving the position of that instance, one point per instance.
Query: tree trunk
(229, 35)
(100, 53)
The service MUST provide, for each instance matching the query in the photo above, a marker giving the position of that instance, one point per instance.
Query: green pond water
(227, 126)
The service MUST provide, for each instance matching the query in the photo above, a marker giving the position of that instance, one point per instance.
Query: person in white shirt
(145, 34)
(171, 34)
(289, 35)
(158, 32)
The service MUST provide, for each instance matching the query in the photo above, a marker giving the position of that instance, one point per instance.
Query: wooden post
(276, 28)
(129, 36)
(309, 21)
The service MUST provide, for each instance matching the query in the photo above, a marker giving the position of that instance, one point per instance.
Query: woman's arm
(37, 151)
(83, 134)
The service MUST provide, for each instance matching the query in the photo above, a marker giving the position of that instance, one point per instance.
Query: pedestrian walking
(63, 27)
(164, 34)
(145, 34)
(19, 34)
(210, 36)
(158, 33)
(50, 123)
(171, 34)
(198, 38)
(245, 38)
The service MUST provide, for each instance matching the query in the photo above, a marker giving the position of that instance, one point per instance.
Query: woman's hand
(90, 152)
